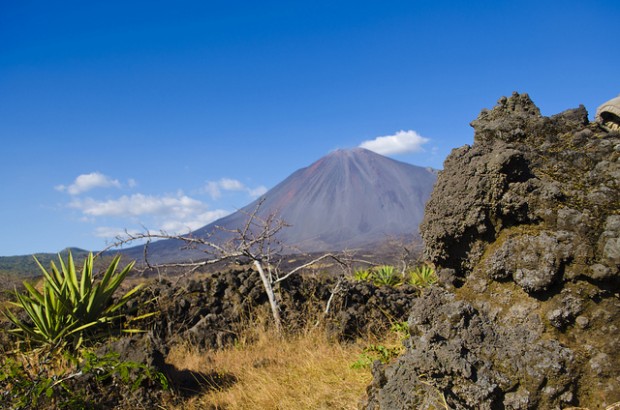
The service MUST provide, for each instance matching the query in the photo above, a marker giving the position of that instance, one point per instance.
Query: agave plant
(385, 275)
(70, 308)
(362, 275)
(422, 276)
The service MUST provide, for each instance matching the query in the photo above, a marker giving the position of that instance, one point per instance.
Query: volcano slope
(349, 199)
(524, 228)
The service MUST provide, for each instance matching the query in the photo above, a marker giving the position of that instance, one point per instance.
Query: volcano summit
(347, 199)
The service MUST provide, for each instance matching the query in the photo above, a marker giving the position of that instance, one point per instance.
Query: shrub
(67, 310)
(376, 352)
(70, 308)
(362, 275)
(66, 381)
(401, 329)
(384, 352)
(386, 275)
(422, 276)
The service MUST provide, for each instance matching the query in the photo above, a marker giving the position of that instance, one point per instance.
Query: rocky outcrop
(211, 311)
(524, 228)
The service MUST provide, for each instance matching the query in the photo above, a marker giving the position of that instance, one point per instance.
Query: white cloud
(173, 214)
(170, 226)
(110, 232)
(198, 221)
(139, 204)
(228, 184)
(215, 188)
(212, 188)
(258, 191)
(399, 143)
(86, 182)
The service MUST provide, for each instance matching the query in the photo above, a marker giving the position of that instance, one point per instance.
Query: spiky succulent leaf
(71, 308)
(386, 275)
(423, 276)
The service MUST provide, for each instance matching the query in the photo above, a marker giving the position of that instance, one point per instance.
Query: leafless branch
(256, 240)
(306, 265)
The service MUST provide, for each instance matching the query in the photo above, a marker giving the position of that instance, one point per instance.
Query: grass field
(302, 371)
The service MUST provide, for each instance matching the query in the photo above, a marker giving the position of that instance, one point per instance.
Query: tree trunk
(275, 309)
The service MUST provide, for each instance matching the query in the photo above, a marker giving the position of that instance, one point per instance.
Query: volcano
(349, 199)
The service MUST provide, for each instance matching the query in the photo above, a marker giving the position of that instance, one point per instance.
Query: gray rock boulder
(461, 356)
(524, 230)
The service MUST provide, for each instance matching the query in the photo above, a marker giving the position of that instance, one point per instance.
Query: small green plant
(385, 275)
(70, 308)
(401, 329)
(380, 352)
(131, 373)
(376, 352)
(422, 276)
(362, 275)
(71, 382)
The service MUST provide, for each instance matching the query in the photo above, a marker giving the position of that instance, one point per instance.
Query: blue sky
(165, 115)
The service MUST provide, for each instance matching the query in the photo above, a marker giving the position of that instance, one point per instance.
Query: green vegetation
(70, 308)
(376, 352)
(401, 329)
(386, 275)
(384, 352)
(63, 312)
(362, 275)
(71, 382)
(24, 266)
(422, 276)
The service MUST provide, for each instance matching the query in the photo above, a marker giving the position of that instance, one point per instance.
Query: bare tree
(256, 241)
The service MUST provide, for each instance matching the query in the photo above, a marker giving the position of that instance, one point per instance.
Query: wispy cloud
(110, 232)
(170, 226)
(258, 191)
(400, 143)
(231, 184)
(139, 204)
(170, 213)
(214, 188)
(190, 224)
(86, 182)
(173, 213)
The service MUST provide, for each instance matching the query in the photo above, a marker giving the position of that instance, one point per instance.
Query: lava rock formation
(524, 229)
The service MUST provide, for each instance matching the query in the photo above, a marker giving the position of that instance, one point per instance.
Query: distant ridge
(347, 199)
(25, 265)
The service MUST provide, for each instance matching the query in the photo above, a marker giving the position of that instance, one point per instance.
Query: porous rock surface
(524, 229)
(210, 311)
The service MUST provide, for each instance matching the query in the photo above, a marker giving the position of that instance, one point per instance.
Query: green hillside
(25, 265)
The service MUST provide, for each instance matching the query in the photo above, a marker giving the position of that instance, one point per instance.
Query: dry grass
(305, 371)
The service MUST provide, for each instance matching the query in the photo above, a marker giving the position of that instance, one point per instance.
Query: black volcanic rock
(524, 230)
(347, 199)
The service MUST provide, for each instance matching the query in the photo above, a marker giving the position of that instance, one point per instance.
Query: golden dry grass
(304, 371)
